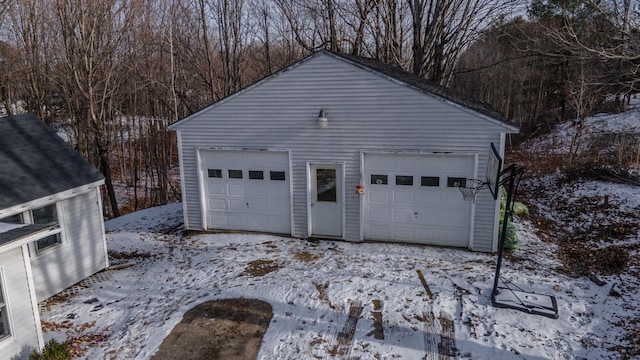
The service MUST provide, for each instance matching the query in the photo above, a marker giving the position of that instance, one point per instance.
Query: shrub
(52, 350)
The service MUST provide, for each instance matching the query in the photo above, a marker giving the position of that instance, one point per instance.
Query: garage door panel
(278, 224)
(238, 221)
(403, 197)
(237, 205)
(217, 204)
(379, 213)
(256, 190)
(429, 219)
(218, 219)
(253, 202)
(216, 189)
(235, 190)
(426, 212)
(258, 205)
(377, 232)
(279, 208)
(403, 233)
(379, 196)
(402, 215)
(278, 193)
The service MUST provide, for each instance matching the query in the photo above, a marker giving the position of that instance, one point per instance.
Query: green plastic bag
(511, 241)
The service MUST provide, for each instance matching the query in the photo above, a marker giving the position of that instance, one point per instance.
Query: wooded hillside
(115, 73)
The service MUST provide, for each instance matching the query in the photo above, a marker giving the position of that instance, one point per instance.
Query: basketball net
(469, 193)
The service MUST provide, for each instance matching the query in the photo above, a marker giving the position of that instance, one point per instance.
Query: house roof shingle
(35, 162)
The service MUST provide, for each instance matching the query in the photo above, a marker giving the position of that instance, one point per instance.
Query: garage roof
(35, 162)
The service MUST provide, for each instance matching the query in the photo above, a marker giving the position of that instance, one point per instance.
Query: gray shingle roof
(35, 162)
(21, 232)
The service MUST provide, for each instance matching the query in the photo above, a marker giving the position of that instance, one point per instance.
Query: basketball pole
(513, 174)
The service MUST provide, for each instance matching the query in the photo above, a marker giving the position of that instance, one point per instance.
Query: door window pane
(379, 179)
(456, 182)
(277, 175)
(235, 174)
(404, 180)
(215, 173)
(430, 181)
(256, 175)
(326, 185)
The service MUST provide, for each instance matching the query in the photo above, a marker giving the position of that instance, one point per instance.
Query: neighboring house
(289, 153)
(51, 226)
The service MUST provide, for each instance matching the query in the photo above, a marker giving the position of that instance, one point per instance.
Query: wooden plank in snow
(345, 337)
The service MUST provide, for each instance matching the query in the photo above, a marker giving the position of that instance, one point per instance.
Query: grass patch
(261, 267)
(52, 350)
(305, 256)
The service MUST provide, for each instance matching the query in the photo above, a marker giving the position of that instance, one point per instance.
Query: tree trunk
(106, 171)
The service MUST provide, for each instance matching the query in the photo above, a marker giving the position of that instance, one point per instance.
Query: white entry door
(325, 200)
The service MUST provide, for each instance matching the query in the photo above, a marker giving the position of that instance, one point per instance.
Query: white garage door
(247, 190)
(413, 198)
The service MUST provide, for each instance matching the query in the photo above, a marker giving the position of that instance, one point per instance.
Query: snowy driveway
(312, 286)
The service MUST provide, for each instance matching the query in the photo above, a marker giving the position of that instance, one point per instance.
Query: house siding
(24, 327)
(82, 253)
(366, 112)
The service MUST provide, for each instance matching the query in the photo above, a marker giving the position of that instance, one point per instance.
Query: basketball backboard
(494, 167)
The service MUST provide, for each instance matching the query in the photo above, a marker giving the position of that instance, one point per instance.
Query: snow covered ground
(130, 313)
(126, 313)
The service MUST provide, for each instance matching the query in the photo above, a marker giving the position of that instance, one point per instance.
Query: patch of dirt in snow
(230, 329)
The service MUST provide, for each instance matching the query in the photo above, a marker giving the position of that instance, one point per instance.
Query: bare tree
(442, 29)
(229, 14)
(29, 33)
(92, 53)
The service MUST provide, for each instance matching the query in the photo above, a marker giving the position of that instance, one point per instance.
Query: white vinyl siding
(82, 253)
(365, 112)
(19, 310)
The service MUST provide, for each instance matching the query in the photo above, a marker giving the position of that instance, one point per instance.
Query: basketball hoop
(469, 192)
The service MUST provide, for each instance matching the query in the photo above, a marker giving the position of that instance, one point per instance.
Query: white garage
(246, 190)
(414, 198)
(328, 127)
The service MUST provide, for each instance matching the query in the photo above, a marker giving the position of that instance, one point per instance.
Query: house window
(277, 175)
(5, 331)
(430, 181)
(235, 174)
(404, 180)
(256, 175)
(214, 173)
(456, 182)
(13, 219)
(379, 179)
(46, 215)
